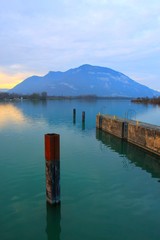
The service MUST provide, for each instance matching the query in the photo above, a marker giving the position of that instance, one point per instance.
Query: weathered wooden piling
(83, 117)
(74, 115)
(52, 156)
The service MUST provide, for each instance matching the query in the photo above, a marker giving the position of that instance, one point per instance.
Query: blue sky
(38, 36)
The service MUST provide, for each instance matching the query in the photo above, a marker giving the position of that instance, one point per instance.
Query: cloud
(56, 35)
(12, 77)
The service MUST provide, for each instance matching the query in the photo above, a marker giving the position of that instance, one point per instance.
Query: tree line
(147, 100)
(13, 96)
(6, 96)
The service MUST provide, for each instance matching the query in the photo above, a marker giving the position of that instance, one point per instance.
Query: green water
(109, 188)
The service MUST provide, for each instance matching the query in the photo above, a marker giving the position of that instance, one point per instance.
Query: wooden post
(83, 117)
(83, 120)
(74, 115)
(52, 156)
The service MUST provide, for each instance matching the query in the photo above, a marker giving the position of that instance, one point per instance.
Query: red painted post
(52, 156)
(52, 145)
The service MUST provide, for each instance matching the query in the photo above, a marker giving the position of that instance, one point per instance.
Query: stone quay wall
(146, 136)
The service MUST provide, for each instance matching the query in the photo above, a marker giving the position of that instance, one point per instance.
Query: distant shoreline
(43, 97)
(146, 100)
(7, 97)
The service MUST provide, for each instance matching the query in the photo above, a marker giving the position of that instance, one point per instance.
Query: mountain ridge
(84, 80)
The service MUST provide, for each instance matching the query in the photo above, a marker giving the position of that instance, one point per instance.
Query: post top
(51, 134)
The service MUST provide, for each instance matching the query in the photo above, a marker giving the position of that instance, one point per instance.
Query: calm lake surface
(109, 189)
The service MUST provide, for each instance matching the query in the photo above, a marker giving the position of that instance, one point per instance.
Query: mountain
(84, 80)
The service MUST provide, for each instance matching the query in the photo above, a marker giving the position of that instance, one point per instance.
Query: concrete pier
(146, 136)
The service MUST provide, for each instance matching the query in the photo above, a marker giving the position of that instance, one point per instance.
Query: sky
(38, 36)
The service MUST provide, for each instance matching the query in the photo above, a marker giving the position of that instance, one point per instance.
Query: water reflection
(141, 158)
(10, 113)
(150, 115)
(53, 220)
(58, 112)
(83, 125)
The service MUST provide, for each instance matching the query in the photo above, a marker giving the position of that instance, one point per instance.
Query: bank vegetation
(5, 96)
(146, 100)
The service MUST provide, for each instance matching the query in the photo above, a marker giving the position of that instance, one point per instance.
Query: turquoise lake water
(110, 190)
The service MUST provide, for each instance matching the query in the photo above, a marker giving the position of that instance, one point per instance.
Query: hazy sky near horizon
(37, 36)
